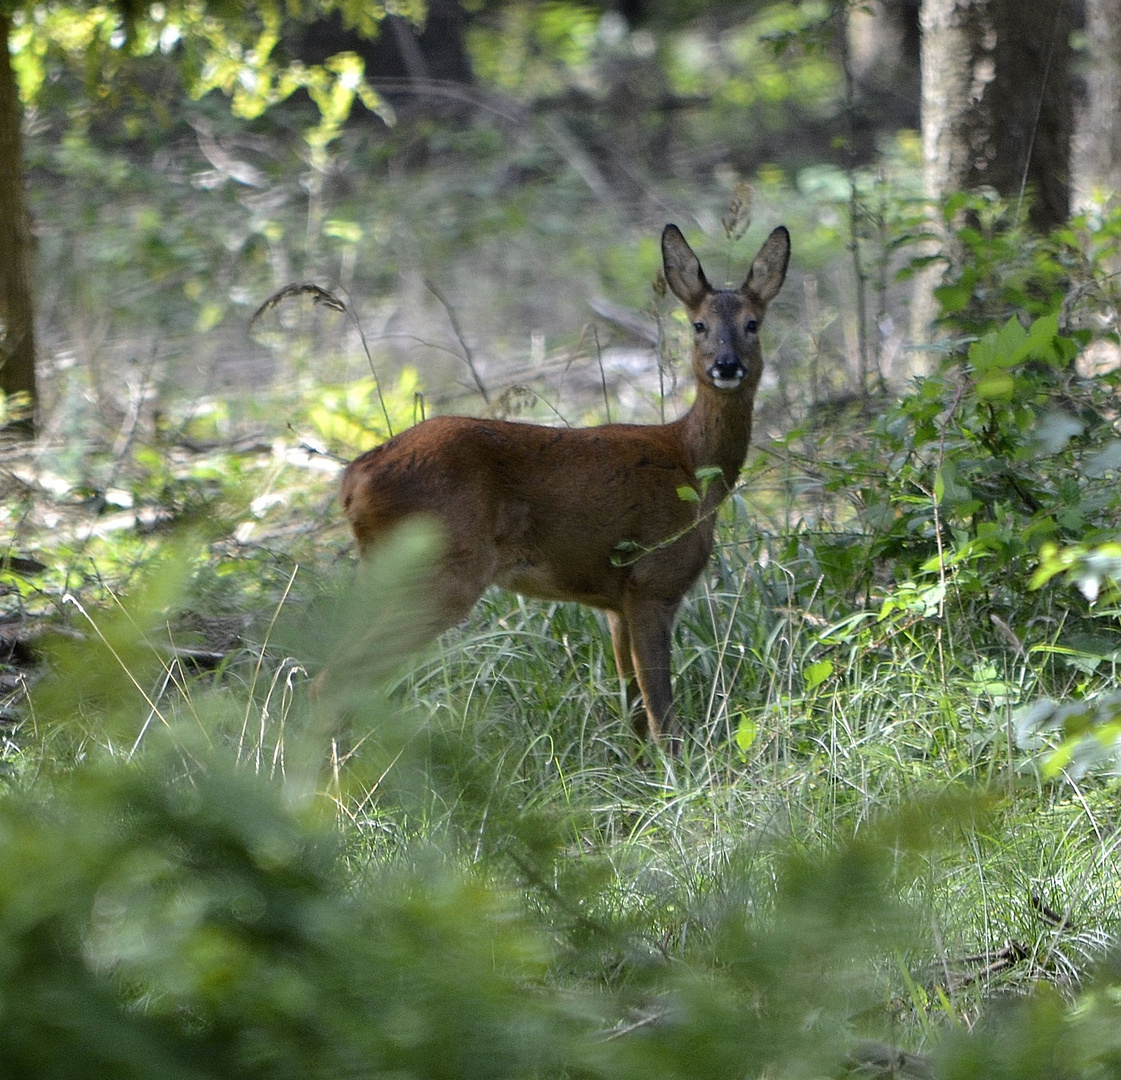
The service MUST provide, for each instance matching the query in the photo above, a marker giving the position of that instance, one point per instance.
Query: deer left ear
(768, 271)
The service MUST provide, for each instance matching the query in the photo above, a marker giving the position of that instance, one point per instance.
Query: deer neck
(716, 432)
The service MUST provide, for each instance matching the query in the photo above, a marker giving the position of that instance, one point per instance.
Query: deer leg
(651, 632)
(444, 597)
(624, 661)
(453, 590)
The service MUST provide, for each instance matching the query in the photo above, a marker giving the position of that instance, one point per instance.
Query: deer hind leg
(624, 661)
(650, 624)
(429, 604)
(457, 582)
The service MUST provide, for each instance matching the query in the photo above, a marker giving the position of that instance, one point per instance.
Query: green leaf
(995, 386)
(1041, 337)
(817, 673)
(1058, 760)
(340, 229)
(952, 298)
(747, 731)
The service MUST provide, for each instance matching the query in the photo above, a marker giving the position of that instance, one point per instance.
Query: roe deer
(592, 515)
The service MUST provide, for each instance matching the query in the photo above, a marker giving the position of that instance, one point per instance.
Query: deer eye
(751, 326)
(699, 327)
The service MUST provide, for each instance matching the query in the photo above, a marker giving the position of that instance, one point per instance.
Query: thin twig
(636, 1025)
(1038, 108)
(319, 295)
(602, 374)
(468, 357)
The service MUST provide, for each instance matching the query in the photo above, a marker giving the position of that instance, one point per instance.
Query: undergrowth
(894, 817)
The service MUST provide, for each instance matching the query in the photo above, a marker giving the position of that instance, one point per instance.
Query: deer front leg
(650, 623)
(624, 661)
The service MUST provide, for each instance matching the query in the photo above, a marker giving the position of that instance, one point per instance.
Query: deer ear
(768, 271)
(683, 269)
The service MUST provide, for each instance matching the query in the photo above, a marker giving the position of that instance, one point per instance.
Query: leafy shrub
(1004, 454)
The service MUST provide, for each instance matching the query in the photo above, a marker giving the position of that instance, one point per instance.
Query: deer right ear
(683, 269)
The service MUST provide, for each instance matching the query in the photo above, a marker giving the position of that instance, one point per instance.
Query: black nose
(727, 367)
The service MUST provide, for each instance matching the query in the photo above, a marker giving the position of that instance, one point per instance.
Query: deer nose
(726, 372)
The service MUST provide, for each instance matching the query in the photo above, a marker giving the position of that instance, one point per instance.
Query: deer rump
(592, 515)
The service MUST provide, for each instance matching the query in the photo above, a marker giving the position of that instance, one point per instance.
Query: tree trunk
(996, 100)
(997, 111)
(17, 306)
(1098, 147)
(883, 46)
(404, 65)
(1032, 108)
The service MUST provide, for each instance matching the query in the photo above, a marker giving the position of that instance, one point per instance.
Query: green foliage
(1096, 570)
(1004, 268)
(231, 47)
(992, 481)
(456, 865)
(705, 476)
(753, 69)
(157, 925)
(534, 49)
(180, 912)
(350, 418)
(172, 910)
(1000, 452)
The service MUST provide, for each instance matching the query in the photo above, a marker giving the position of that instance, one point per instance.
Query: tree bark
(997, 111)
(996, 99)
(17, 301)
(883, 47)
(1098, 146)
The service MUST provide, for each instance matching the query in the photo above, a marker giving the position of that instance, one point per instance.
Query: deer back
(584, 514)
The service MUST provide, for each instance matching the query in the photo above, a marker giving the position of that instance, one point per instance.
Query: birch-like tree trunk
(17, 305)
(997, 111)
(1097, 162)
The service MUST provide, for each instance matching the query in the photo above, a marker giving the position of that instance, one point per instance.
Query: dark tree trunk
(1032, 108)
(997, 111)
(883, 49)
(997, 101)
(405, 64)
(17, 303)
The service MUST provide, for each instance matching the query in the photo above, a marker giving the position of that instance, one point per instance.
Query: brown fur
(590, 515)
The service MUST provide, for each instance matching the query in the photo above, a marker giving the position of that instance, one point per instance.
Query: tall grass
(852, 844)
